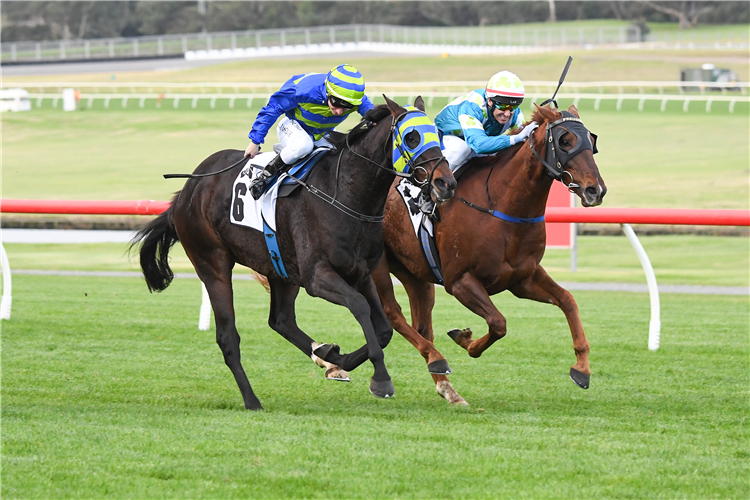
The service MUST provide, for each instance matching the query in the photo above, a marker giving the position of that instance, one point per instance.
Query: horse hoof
(446, 390)
(579, 378)
(336, 373)
(382, 389)
(439, 367)
(458, 334)
(323, 350)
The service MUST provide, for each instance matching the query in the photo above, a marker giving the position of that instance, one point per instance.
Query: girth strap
(273, 250)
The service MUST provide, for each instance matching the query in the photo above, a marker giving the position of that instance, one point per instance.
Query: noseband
(556, 158)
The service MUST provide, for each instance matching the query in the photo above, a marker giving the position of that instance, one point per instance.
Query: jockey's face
(502, 116)
(337, 106)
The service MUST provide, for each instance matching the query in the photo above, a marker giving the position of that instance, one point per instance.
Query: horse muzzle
(593, 195)
(442, 189)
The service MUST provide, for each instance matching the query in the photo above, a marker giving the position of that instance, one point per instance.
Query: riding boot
(259, 184)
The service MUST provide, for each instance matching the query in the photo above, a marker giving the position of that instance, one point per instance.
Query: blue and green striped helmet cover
(414, 119)
(346, 83)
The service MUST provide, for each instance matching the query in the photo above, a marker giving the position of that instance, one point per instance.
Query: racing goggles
(339, 103)
(504, 106)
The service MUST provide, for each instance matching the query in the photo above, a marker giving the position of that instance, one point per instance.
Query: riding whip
(562, 79)
(193, 176)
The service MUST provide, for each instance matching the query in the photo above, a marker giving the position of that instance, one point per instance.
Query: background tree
(55, 20)
(686, 13)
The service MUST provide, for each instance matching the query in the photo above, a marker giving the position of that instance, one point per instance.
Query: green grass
(109, 392)
(677, 259)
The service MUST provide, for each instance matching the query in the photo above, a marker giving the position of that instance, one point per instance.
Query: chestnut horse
(330, 234)
(491, 237)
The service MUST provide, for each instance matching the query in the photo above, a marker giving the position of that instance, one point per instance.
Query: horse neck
(362, 184)
(521, 187)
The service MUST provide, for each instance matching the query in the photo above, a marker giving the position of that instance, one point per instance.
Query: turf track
(110, 392)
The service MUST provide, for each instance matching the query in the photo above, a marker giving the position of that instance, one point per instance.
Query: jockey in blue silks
(312, 104)
(481, 121)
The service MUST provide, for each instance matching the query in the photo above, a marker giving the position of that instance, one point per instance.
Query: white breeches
(295, 142)
(456, 151)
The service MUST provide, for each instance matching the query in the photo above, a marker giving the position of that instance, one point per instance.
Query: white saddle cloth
(245, 210)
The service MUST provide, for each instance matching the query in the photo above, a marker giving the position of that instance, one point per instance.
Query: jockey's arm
(365, 106)
(280, 102)
(478, 139)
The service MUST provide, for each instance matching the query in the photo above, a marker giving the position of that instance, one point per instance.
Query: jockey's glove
(523, 134)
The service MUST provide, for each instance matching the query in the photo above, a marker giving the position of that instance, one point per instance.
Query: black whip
(562, 79)
(193, 176)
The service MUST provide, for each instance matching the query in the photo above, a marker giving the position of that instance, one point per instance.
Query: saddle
(299, 170)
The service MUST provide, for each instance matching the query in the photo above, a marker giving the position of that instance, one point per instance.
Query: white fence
(514, 35)
(245, 94)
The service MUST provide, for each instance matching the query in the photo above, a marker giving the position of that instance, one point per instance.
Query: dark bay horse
(330, 237)
(482, 254)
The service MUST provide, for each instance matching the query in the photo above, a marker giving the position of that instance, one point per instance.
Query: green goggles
(339, 103)
(503, 106)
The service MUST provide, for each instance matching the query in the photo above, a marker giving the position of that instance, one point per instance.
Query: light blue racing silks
(469, 118)
(403, 155)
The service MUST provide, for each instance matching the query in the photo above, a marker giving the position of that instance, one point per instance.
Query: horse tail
(262, 280)
(156, 238)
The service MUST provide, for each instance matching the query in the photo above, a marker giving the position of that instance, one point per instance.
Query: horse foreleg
(329, 285)
(422, 339)
(422, 301)
(282, 318)
(541, 288)
(470, 292)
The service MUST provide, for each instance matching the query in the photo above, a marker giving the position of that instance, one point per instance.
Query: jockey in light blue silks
(313, 105)
(481, 122)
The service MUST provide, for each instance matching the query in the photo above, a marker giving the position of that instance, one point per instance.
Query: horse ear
(574, 110)
(419, 103)
(393, 106)
(547, 113)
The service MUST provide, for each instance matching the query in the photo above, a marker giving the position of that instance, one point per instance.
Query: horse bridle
(414, 167)
(556, 158)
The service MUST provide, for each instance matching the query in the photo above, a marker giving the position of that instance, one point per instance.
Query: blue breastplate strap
(505, 217)
(430, 253)
(273, 250)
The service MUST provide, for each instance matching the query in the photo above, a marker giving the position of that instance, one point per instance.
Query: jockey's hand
(252, 150)
(523, 134)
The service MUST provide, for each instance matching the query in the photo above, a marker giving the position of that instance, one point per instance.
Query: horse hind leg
(219, 287)
(213, 264)
(470, 292)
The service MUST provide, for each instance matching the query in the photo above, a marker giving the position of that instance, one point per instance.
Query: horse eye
(565, 143)
(412, 139)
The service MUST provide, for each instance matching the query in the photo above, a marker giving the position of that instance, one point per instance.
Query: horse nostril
(592, 192)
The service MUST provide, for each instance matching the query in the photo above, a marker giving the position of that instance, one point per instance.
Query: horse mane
(339, 139)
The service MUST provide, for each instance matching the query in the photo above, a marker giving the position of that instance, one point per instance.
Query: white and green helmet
(505, 88)
(346, 83)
